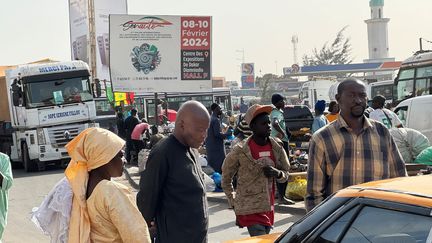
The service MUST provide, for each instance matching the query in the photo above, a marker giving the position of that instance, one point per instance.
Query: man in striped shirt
(351, 150)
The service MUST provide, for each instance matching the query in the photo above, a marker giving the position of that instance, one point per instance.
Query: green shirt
(278, 115)
(6, 172)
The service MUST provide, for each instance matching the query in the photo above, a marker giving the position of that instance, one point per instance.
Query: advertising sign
(295, 68)
(79, 30)
(102, 10)
(248, 75)
(160, 53)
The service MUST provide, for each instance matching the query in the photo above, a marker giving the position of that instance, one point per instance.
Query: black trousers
(281, 187)
(129, 148)
(139, 145)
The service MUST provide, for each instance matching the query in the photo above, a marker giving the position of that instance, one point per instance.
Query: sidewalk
(132, 175)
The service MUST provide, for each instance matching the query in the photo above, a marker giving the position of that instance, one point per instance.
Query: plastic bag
(217, 178)
(142, 159)
(209, 183)
(425, 157)
(296, 190)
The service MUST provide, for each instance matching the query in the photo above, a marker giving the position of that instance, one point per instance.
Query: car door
(372, 220)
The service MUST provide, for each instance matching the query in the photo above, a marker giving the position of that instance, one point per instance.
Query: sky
(32, 30)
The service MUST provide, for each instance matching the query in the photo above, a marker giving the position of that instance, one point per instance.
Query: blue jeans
(258, 229)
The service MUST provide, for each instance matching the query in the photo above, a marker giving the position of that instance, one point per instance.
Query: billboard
(79, 13)
(295, 68)
(102, 10)
(247, 75)
(79, 30)
(160, 53)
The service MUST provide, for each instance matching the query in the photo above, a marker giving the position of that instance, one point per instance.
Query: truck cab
(312, 91)
(49, 105)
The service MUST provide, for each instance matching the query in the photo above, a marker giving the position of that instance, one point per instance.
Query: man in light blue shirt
(5, 184)
(320, 120)
(279, 130)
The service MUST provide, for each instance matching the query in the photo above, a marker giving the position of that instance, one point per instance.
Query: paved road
(222, 225)
(29, 190)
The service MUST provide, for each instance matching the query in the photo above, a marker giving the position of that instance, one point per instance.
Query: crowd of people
(346, 148)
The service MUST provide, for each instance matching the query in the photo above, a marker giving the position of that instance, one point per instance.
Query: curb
(222, 199)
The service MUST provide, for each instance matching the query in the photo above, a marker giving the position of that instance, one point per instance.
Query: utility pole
(242, 60)
(294, 41)
(92, 39)
(421, 44)
(243, 54)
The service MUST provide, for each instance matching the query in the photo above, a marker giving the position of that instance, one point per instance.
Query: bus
(384, 88)
(144, 103)
(105, 114)
(414, 77)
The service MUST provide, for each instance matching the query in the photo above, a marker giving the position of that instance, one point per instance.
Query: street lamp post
(243, 54)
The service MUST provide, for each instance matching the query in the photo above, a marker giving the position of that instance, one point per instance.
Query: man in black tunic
(172, 190)
(129, 124)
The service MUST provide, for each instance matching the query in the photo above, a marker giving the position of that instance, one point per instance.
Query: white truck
(48, 105)
(312, 91)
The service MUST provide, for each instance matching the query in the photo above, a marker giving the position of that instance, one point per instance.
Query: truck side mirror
(16, 93)
(98, 88)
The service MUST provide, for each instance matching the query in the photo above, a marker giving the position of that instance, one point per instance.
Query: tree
(267, 89)
(339, 52)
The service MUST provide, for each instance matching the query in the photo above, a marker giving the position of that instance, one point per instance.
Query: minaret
(377, 33)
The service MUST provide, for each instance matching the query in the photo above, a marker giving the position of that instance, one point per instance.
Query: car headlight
(40, 136)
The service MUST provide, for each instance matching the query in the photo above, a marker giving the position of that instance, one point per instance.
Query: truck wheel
(29, 165)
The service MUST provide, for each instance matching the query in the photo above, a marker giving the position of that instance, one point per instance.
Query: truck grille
(60, 136)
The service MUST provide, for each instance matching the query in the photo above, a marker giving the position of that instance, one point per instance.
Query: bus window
(103, 107)
(423, 81)
(424, 72)
(423, 86)
(406, 74)
(405, 89)
(384, 90)
(405, 85)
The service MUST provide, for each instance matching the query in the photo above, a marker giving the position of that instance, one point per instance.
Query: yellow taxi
(393, 210)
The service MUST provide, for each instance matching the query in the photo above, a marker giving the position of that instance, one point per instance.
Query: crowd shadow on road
(222, 227)
(217, 207)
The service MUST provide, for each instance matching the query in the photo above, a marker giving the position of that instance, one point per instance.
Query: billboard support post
(156, 116)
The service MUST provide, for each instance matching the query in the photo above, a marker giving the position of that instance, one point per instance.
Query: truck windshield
(58, 92)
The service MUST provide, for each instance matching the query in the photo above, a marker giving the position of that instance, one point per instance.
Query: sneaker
(286, 201)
